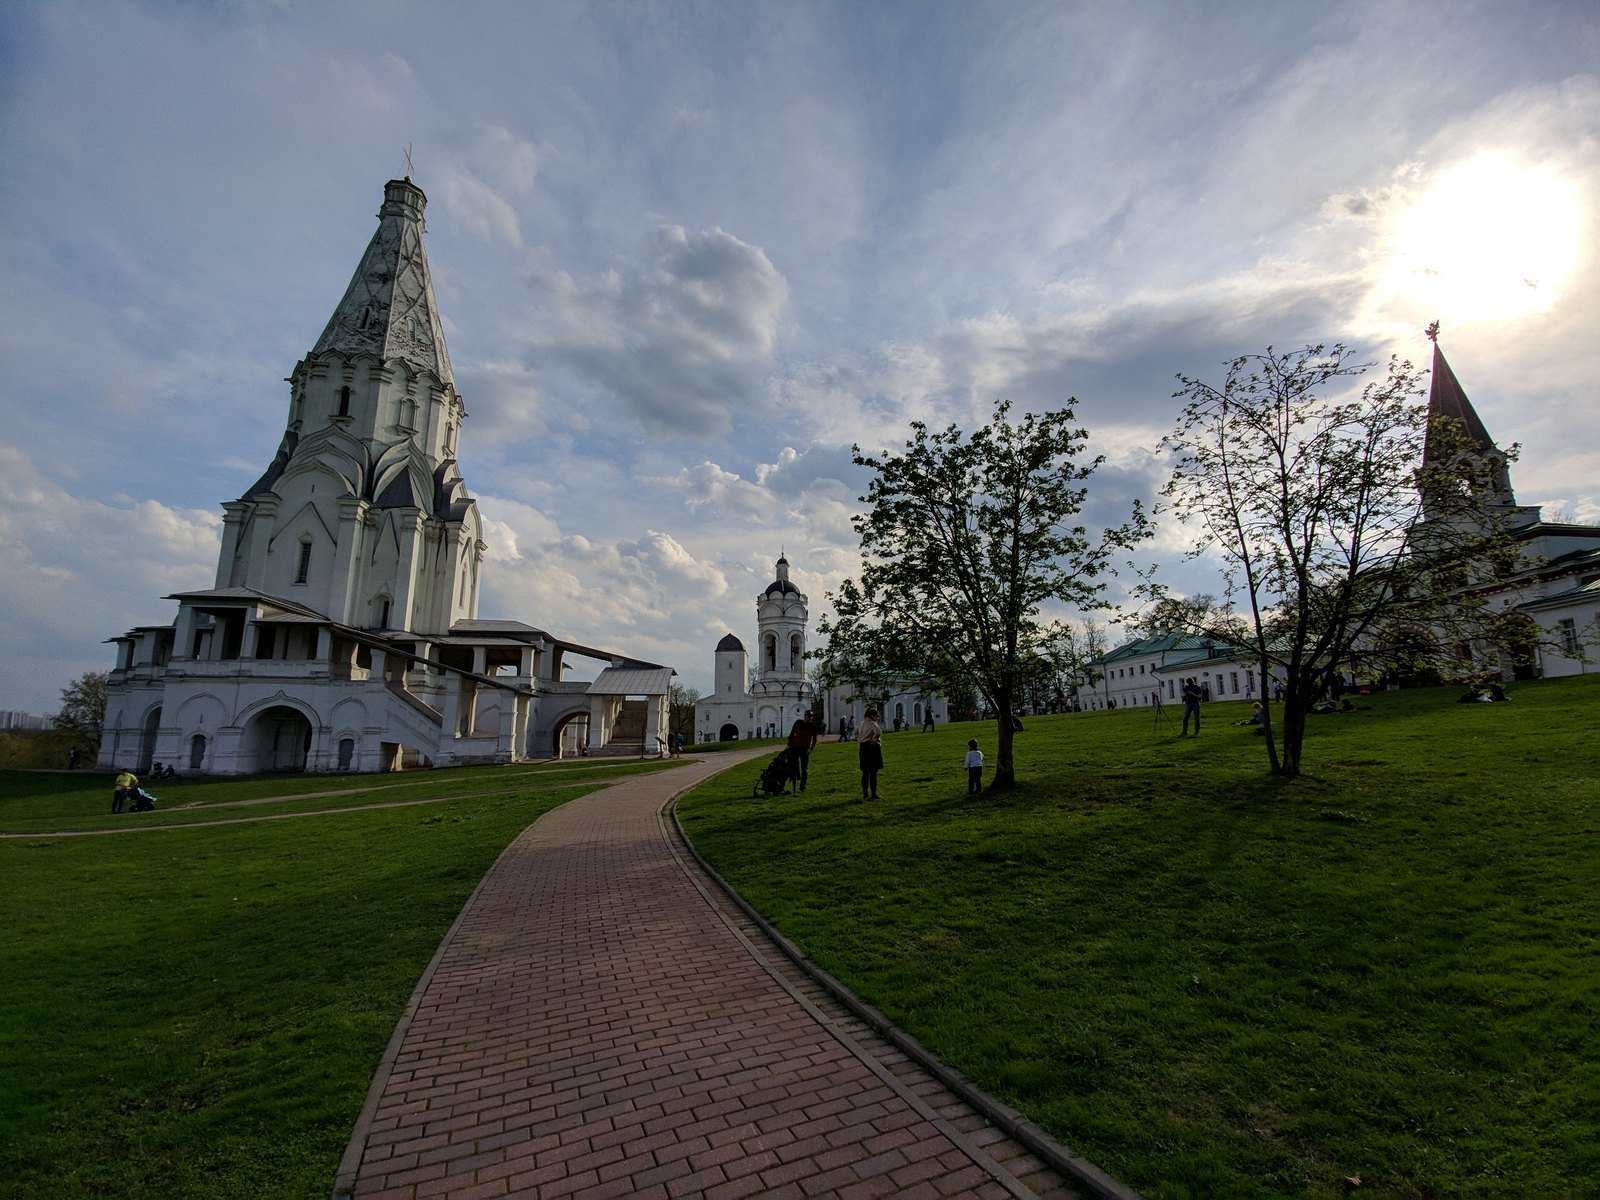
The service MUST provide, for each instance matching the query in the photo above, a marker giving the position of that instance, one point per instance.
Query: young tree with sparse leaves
(965, 538)
(83, 711)
(1314, 498)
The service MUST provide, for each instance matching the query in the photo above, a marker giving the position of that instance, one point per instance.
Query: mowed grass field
(1210, 983)
(1380, 980)
(198, 1012)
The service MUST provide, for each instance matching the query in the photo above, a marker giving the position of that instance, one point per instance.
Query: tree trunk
(1295, 708)
(1005, 771)
(1266, 710)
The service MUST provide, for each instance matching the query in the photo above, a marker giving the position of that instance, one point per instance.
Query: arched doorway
(572, 737)
(147, 739)
(279, 740)
(728, 733)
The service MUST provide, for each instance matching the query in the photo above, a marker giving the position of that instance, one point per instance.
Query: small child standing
(974, 767)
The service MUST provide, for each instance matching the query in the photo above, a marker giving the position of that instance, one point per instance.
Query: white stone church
(764, 702)
(342, 630)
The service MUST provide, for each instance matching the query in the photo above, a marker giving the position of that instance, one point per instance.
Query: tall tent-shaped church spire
(1470, 445)
(363, 515)
(389, 310)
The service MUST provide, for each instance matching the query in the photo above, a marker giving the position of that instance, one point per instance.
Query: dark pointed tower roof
(730, 643)
(1447, 398)
(388, 309)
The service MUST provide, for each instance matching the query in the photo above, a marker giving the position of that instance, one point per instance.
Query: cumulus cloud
(80, 570)
(484, 174)
(627, 594)
(682, 338)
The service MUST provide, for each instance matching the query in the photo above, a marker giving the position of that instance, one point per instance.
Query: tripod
(1160, 721)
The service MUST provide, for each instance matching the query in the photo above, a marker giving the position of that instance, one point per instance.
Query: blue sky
(687, 254)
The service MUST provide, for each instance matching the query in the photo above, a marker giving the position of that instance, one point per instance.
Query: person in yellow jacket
(124, 787)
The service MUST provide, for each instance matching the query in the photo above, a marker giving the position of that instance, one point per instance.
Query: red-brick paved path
(596, 1024)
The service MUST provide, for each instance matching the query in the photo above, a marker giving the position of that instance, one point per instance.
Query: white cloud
(480, 208)
(81, 570)
(682, 339)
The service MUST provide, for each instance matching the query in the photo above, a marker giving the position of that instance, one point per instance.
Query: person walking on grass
(802, 740)
(974, 767)
(1191, 706)
(869, 742)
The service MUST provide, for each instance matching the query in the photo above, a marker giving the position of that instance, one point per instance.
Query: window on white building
(1569, 637)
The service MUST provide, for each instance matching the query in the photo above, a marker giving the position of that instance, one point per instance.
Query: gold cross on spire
(408, 162)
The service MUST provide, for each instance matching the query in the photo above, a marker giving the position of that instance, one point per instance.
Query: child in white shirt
(974, 767)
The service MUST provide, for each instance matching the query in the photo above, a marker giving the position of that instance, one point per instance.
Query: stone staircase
(627, 735)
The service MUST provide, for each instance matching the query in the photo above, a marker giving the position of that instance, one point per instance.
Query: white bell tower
(781, 620)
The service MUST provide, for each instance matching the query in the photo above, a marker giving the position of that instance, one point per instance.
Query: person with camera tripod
(1191, 705)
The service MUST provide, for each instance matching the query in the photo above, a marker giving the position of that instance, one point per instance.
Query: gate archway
(278, 739)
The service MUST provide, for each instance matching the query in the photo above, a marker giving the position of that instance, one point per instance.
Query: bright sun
(1488, 240)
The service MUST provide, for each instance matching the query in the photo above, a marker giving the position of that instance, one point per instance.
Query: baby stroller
(776, 776)
(142, 801)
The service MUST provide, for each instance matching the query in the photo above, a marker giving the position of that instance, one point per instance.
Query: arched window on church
(772, 652)
(303, 569)
(795, 653)
(344, 401)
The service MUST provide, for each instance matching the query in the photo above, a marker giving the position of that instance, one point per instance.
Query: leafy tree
(83, 711)
(965, 538)
(680, 709)
(1327, 526)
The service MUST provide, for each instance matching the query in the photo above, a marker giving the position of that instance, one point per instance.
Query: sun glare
(1489, 240)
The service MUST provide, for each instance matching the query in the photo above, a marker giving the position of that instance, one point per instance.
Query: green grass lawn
(1216, 984)
(1210, 982)
(198, 1013)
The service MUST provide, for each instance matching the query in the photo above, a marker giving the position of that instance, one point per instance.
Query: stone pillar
(409, 525)
(234, 515)
(512, 718)
(348, 562)
(519, 734)
(450, 709)
(266, 514)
